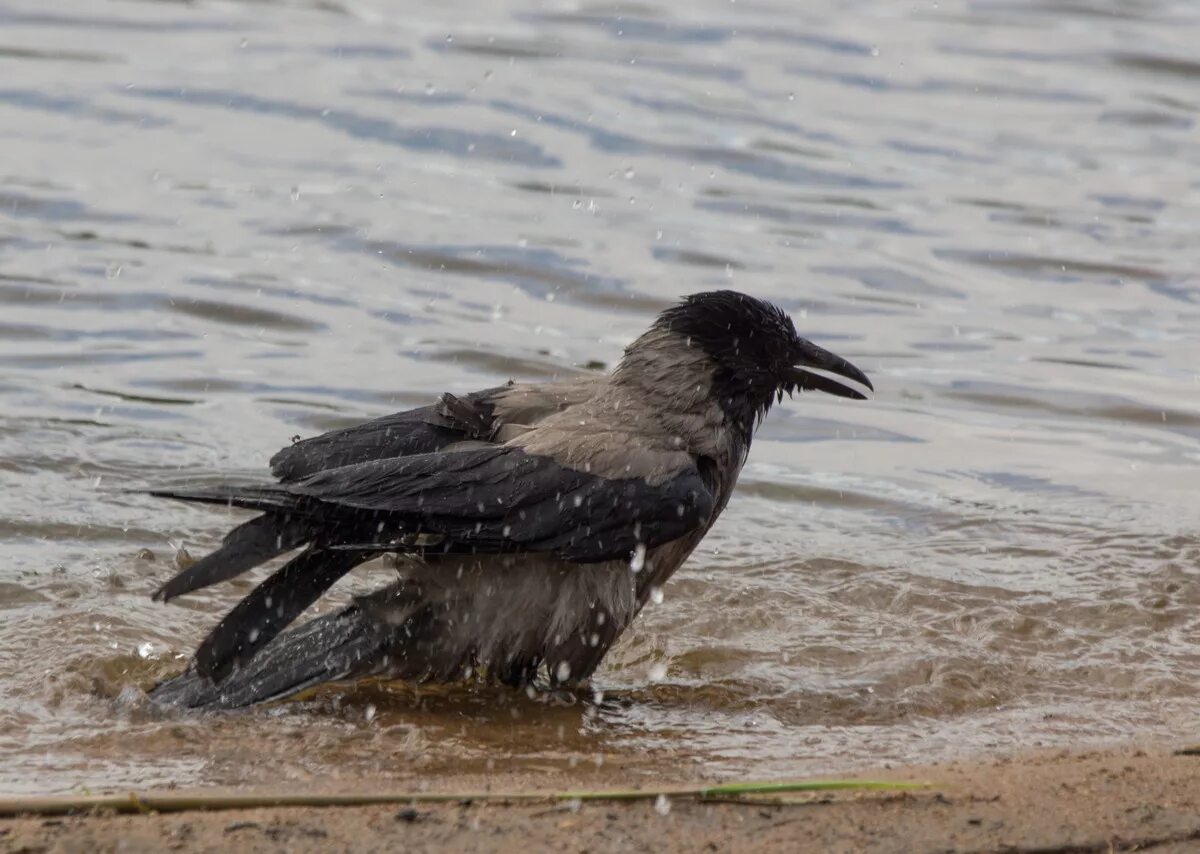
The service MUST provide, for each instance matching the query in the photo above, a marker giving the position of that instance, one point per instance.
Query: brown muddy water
(223, 224)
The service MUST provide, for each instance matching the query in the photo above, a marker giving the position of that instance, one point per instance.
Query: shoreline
(1121, 798)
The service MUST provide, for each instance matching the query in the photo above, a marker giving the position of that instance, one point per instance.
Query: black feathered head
(757, 352)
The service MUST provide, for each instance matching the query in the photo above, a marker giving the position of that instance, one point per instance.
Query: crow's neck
(680, 385)
(667, 372)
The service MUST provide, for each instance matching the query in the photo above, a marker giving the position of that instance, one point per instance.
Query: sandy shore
(1122, 799)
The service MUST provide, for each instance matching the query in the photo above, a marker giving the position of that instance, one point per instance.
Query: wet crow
(532, 520)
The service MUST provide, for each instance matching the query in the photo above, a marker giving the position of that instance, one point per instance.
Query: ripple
(892, 281)
(10, 52)
(430, 139)
(1172, 66)
(541, 272)
(243, 315)
(1053, 268)
(25, 206)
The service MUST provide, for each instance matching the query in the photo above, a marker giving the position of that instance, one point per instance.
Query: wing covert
(503, 499)
(416, 431)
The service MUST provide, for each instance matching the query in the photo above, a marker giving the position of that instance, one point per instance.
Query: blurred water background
(226, 223)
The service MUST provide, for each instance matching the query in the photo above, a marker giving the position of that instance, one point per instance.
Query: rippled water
(222, 224)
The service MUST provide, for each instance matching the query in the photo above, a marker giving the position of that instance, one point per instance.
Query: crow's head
(756, 352)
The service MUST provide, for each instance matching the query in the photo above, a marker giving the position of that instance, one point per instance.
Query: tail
(280, 529)
(329, 648)
(271, 606)
(254, 496)
(245, 547)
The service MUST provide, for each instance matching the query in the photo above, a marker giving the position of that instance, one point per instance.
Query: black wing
(489, 500)
(503, 499)
(417, 431)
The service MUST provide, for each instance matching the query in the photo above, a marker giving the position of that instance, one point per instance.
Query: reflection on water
(222, 225)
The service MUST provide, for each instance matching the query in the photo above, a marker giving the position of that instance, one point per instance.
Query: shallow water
(223, 224)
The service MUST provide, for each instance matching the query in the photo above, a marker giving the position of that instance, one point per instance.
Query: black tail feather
(270, 607)
(251, 496)
(336, 646)
(243, 548)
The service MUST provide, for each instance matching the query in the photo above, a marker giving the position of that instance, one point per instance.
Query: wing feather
(416, 431)
(503, 499)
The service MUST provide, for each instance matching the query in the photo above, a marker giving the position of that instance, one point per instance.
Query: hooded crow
(533, 521)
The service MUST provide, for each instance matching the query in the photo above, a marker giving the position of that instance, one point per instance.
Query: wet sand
(1130, 798)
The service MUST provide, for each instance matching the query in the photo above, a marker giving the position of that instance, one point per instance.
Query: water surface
(225, 224)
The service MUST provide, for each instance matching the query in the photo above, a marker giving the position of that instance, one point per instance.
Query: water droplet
(658, 671)
(656, 595)
(563, 672)
(638, 562)
(369, 714)
(662, 805)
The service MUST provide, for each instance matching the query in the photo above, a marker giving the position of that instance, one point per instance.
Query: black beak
(812, 356)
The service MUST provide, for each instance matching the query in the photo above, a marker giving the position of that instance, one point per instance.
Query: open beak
(813, 357)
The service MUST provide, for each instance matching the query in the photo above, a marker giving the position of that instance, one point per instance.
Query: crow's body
(535, 519)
